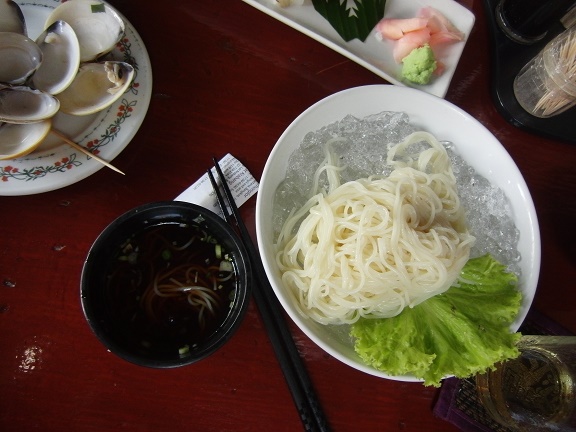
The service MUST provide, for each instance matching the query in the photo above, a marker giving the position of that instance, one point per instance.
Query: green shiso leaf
(464, 331)
(355, 25)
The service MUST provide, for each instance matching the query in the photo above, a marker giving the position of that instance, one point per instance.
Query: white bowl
(447, 122)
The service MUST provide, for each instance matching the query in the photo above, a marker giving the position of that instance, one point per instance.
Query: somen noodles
(370, 247)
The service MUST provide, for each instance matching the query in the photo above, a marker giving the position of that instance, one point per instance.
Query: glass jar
(528, 21)
(546, 85)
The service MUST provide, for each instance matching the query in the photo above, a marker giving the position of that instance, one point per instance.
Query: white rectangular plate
(373, 54)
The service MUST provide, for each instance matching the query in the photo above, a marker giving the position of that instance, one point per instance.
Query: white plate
(373, 54)
(54, 165)
(447, 122)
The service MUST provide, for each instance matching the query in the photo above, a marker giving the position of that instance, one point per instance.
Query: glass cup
(537, 390)
(569, 19)
(528, 21)
(546, 85)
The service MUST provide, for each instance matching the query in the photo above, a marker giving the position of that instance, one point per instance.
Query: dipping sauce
(170, 287)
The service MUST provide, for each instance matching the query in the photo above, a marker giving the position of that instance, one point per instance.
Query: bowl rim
(166, 212)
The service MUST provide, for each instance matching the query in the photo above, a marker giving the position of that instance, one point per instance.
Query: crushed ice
(363, 153)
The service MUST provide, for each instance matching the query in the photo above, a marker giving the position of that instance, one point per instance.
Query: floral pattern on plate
(104, 134)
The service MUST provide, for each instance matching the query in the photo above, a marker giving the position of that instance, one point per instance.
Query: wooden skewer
(83, 150)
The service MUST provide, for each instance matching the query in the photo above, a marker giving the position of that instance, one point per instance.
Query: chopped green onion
(199, 219)
(226, 266)
(98, 8)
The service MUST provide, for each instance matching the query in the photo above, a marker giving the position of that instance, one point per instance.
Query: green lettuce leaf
(357, 25)
(464, 331)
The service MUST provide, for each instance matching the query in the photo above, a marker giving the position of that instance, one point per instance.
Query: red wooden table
(227, 78)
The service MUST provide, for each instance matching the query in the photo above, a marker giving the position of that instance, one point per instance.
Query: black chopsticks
(271, 311)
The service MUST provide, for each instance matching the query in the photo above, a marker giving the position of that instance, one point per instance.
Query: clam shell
(20, 58)
(61, 58)
(26, 105)
(12, 18)
(95, 87)
(97, 25)
(17, 140)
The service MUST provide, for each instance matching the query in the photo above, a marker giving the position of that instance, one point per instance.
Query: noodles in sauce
(172, 285)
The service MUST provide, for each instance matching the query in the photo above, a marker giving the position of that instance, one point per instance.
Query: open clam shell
(11, 18)
(95, 87)
(20, 58)
(26, 105)
(97, 25)
(61, 58)
(17, 140)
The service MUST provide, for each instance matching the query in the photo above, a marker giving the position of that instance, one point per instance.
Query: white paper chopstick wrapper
(242, 185)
